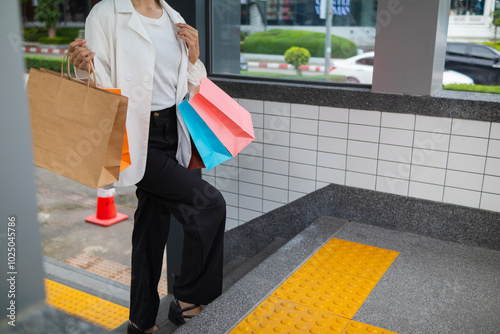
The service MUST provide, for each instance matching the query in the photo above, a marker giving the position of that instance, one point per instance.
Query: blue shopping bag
(211, 150)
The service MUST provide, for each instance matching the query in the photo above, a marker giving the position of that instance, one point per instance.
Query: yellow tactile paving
(354, 258)
(332, 291)
(355, 327)
(276, 315)
(324, 294)
(85, 306)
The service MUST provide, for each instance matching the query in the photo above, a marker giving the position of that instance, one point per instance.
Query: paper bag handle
(66, 57)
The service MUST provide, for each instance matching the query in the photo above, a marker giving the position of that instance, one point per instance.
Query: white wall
(301, 148)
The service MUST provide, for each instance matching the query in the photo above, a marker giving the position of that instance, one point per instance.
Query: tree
(496, 23)
(297, 56)
(48, 12)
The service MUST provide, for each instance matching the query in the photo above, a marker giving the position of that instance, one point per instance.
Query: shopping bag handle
(66, 57)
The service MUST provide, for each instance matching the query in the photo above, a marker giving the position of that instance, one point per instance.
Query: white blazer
(125, 59)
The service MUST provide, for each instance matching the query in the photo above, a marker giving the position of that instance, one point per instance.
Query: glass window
(467, 7)
(263, 30)
(454, 49)
(482, 52)
(365, 61)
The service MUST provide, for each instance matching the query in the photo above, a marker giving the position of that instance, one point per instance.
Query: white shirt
(162, 34)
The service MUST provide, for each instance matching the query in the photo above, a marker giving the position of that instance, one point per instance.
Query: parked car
(243, 63)
(480, 62)
(359, 69)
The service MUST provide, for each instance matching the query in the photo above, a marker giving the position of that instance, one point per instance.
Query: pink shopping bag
(229, 121)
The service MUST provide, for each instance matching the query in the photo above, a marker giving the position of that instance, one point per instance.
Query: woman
(145, 48)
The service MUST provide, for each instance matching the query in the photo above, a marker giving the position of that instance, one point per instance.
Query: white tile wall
(302, 185)
(359, 180)
(275, 195)
(276, 137)
(364, 133)
(423, 157)
(490, 202)
(276, 166)
(462, 197)
(331, 129)
(303, 156)
(433, 124)
(331, 160)
(426, 191)
(396, 137)
(492, 167)
(332, 145)
(491, 184)
(470, 128)
(300, 148)
(495, 131)
(276, 108)
(303, 171)
(334, 114)
(398, 121)
(307, 142)
(464, 180)
(364, 117)
(330, 175)
(394, 153)
(431, 141)
(361, 165)
(250, 189)
(304, 111)
(393, 170)
(468, 145)
(391, 185)
(494, 148)
(362, 149)
(468, 163)
(276, 180)
(427, 174)
(307, 126)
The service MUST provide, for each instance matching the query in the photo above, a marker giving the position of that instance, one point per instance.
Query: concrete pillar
(20, 249)
(410, 46)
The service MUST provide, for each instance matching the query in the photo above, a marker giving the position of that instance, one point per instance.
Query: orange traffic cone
(106, 210)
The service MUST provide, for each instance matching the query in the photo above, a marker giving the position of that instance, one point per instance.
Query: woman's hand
(80, 54)
(189, 35)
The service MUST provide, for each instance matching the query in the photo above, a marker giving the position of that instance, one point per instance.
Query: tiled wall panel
(300, 148)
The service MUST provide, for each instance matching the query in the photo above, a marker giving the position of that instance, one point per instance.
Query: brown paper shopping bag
(78, 130)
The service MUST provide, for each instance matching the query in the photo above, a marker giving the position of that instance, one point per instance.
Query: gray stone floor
(432, 287)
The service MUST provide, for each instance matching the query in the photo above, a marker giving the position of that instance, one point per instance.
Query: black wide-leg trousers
(168, 188)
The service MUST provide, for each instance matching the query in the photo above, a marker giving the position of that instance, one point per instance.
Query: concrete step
(235, 303)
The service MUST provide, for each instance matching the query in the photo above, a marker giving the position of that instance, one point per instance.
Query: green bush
(50, 63)
(297, 56)
(474, 88)
(277, 41)
(34, 34)
(243, 35)
(56, 40)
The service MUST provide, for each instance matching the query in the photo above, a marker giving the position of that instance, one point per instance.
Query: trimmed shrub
(277, 41)
(297, 56)
(34, 34)
(50, 63)
(56, 40)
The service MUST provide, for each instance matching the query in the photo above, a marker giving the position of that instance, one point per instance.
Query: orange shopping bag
(229, 121)
(125, 162)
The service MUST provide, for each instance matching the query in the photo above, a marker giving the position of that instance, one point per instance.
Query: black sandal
(175, 314)
(131, 329)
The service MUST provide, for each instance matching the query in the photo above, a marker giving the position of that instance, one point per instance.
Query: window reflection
(268, 28)
(467, 7)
